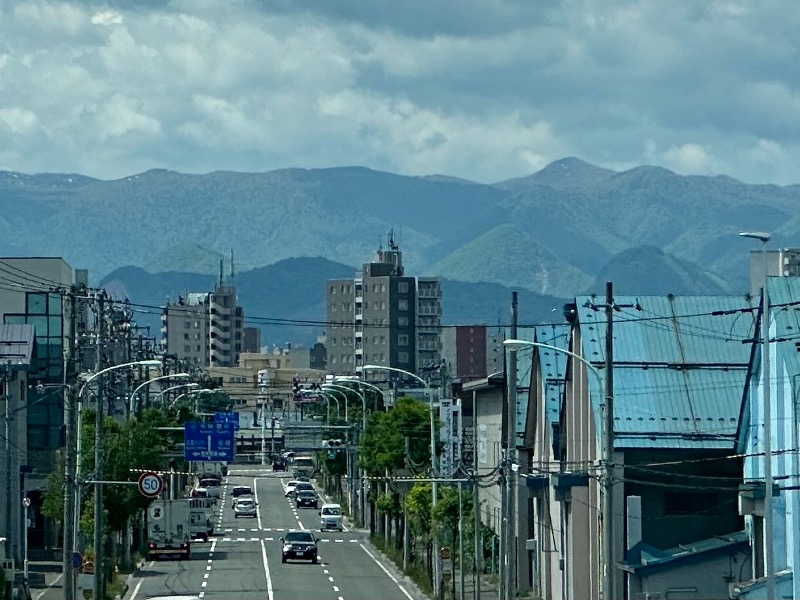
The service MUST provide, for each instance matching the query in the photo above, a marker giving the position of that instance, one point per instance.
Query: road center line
(385, 570)
(270, 594)
(136, 589)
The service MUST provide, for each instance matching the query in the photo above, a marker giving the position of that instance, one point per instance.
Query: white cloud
(484, 90)
(689, 158)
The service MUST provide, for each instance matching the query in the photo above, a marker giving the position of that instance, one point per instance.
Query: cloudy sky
(481, 89)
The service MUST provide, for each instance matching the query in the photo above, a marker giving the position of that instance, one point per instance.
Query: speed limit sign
(150, 484)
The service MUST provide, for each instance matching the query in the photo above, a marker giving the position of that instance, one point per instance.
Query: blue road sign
(77, 560)
(228, 417)
(209, 441)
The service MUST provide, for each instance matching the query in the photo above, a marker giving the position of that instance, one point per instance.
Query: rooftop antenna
(233, 271)
(221, 270)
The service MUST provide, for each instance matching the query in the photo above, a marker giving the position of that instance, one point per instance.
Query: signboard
(483, 445)
(228, 417)
(77, 560)
(208, 441)
(150, 484)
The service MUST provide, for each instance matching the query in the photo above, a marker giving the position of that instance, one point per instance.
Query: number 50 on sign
(150, 484)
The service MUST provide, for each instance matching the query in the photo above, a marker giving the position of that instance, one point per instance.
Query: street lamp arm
(512, 344)
(396, 370)
(132, 397)
(142, 363)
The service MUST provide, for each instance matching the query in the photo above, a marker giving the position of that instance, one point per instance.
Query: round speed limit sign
(150, 484)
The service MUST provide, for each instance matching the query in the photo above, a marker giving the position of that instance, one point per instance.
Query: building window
(187, 348)
(402, 287)
(402, 358)
(383, 340)
(402, 321)
(199, 348)
(197, 324)
(382, 357)
(402, 305)
(333, 308)
(186, 336)
(383, 305)
(333, 360)
(402, 340)
(383, 287)
(333, 341)
(187, 325)
(333, 290)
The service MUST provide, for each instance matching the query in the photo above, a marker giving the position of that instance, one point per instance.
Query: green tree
(418, 509)
(384, 443)
(53, 504)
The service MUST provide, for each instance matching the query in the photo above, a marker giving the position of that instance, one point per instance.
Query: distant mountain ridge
(554, 231)
(287, 300)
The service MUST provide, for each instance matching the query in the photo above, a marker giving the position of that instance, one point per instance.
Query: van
(330, 517)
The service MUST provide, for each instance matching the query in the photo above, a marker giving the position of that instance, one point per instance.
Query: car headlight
(287, 547)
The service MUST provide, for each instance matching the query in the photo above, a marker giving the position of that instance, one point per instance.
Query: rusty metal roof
(680, 365)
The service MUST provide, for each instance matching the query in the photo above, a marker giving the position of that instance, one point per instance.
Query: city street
(243, 559)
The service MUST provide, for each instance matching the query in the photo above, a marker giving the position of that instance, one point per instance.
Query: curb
(409, 583)
(129, 581)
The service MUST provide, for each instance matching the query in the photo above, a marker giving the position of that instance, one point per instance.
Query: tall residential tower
(383, 317)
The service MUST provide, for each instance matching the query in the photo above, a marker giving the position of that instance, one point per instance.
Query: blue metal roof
(554, 366)
(680, 367)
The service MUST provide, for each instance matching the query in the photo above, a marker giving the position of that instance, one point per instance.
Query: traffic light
(332, 444)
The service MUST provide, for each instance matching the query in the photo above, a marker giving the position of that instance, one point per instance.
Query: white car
(245, 507)
(290, 488)
(330, 517)
(212, 486)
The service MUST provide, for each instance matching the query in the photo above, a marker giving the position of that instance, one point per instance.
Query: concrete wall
(696, 580)
(489, 417)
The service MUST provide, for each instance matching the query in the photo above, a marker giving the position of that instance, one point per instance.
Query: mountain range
(561, 231)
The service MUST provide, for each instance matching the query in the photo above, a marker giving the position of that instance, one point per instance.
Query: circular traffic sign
(150, 484)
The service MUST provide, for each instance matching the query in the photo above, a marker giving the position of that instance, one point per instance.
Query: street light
(360, 395)
(332, 389)
(769, 562)
(174, 387)
(434, 470)
(361, 383)
(79, 436)
(608, 451)
(132, 398)
(329, 396)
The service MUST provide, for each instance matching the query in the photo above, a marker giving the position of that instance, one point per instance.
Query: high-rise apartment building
(383, 317)
(206, 329)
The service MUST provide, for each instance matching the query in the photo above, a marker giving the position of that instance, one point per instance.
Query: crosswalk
(272, 539)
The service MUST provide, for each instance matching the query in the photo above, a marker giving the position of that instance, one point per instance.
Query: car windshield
(209, 483)
(242, 491)
(291, 484)
(304, 486)
(305, 494)
(331, 510)
(299, 536)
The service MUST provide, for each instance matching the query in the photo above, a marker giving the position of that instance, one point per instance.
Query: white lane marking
(326, 570)
(133, 595)
(205, 575)
(152, 562)
(339, 598)
(385, 570)
(201, 595)
(336, 588)
(255, 497)
(204, 584)
(270, 594)
(299, 522)
(331, 578)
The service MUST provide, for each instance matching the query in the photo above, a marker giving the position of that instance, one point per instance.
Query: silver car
(245, 507)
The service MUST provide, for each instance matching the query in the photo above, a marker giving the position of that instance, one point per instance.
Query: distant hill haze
(553, 233)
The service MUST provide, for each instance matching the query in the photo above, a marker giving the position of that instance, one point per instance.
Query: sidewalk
(45, 580)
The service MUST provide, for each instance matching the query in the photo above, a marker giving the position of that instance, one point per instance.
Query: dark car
(306, 498)
(304, 486)
(279, 464)
(299, 545)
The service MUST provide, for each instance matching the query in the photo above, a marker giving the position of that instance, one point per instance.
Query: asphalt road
(243, 559)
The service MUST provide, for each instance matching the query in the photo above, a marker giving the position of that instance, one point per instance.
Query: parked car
(330, 517)
(299, 544)
(280, 464)
(305, 498)
(245, 507)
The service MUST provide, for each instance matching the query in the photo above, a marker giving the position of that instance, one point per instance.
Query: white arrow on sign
(209, 444)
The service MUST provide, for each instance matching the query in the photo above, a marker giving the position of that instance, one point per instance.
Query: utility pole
(609, 578)
(8, 466)
(478, 553)
(70, 407)
(511, 478)
(99, 578)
